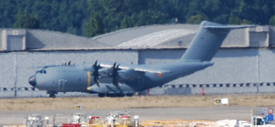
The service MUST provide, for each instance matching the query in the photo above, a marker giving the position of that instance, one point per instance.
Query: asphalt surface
(213, 113)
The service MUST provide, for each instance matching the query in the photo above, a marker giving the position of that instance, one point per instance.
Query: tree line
(94, 17)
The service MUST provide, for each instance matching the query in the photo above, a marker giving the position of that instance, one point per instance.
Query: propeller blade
(115, 75)
(97, 83)
(95, 73)
(114, 64)
(115, 83)
(95, 64)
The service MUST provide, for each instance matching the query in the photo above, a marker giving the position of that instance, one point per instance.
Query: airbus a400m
(114, 79)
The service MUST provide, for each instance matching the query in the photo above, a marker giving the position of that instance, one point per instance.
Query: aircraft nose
(32, 80)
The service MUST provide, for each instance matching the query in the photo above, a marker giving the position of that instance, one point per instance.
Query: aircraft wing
(137, 68)
(143, 69)
(151, 70)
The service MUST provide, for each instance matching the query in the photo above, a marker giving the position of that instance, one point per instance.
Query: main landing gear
(52, 94)
(115, 95)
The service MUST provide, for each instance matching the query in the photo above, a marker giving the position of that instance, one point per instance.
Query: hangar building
(244, 64)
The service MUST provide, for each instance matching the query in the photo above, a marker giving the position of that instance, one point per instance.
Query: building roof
(144, 37)
(41, 39)
(164, 36)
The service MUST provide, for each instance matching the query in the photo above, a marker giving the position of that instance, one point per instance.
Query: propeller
(113, 72)
(95, 73)
(115, 75)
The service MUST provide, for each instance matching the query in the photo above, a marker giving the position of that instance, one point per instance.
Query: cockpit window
(41, 71)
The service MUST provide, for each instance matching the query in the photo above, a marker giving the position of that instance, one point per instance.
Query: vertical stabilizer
(208, 40)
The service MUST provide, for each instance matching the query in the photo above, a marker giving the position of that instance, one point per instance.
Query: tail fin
(208, 40)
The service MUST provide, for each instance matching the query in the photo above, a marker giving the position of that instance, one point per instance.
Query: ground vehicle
(256, 121)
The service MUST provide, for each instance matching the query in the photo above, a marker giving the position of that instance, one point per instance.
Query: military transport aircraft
(113, 79)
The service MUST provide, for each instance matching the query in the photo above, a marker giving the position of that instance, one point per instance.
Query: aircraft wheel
(121, 95)
(129, 94)
(52, 96)
(101, 95)
(115, 95)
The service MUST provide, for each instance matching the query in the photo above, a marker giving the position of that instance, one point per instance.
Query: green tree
(73, 16)
(175, 9)
(245, 21)
(94, 26)
(196, 19)
(26, 20)
(234, 20)
(126, 23)
(272, 21)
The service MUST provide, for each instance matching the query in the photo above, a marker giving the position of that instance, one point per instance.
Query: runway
(212, 113)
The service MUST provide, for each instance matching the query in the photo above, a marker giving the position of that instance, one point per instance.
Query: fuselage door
(61, 84)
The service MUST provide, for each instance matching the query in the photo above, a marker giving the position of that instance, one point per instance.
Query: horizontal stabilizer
(229, 27)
